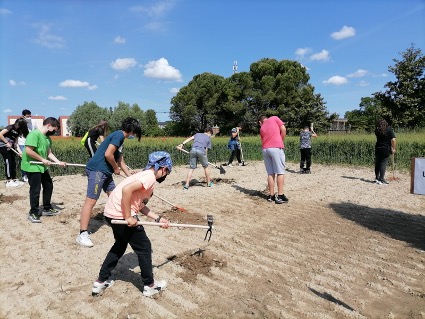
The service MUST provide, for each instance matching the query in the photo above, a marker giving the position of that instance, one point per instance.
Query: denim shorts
(198, 155)
(98, 181)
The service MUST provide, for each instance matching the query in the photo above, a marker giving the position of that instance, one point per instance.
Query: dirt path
(343, 247)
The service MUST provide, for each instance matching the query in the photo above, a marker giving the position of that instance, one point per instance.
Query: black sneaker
(50, 212)
(270, 198)
(280, 199)
(34, 218)
(384, 182)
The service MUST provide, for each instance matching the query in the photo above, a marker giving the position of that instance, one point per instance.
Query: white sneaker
(158, 286)
(25, 178)
(378, 182)
(12, 184)
(18, 182)
(83, 239)
(229, 165)
(99, 287)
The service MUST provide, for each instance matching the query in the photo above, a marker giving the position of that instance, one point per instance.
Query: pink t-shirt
(270, 133)
(113, 207)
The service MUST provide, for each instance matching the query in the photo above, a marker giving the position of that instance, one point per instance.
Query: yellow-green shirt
(41, 144)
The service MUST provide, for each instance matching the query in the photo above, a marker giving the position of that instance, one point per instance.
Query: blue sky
(55, 55)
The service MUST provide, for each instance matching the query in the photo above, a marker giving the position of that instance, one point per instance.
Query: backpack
(83, 140)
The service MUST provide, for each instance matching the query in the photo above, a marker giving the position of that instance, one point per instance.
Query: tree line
(270, 87)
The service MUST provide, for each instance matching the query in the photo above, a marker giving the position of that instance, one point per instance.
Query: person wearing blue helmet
(125, 201)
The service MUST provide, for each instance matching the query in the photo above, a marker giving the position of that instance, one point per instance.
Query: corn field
(355, 150)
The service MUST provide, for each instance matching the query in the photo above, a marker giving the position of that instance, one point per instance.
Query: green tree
(152, 128)
(85, 116)
(364, 119)
(196, 105)
(124, 110)
(404, 98)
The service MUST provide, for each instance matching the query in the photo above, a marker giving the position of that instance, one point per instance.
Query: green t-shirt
(41, 144)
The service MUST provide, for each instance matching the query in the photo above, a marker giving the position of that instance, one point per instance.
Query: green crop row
(341, 150)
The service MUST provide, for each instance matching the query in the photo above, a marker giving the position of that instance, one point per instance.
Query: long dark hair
(21, 127)
(103, 125)
(381, 127)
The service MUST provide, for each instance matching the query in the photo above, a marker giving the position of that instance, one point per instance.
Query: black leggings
(381, 160)
(9, 162)
(139, 242)
(237, 153)
(90, 146)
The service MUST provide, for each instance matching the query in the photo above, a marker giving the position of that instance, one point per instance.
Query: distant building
(39, 119)
(340, 125)
(161, 125)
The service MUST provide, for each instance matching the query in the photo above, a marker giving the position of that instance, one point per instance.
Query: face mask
(130, 137)
(50, 133)
(28, 119)
(161, 179)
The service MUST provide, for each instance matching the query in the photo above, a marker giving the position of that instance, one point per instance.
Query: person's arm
(158, 219)
(283, 132)
(393, 145)
(101, 138)
(109, 156)
(127, 193)
(5, 141)
(186, 141)
(54, 159)
(123, 166)
(33, 154)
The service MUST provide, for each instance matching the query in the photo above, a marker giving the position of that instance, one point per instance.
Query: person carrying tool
(273, 133)
(305, 149)
(124, 202)
(234, 146)
(198, 153)
(384, 147)
(107, 161)
(38, 148)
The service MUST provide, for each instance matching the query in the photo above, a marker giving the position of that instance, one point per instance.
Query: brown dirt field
(343, 247)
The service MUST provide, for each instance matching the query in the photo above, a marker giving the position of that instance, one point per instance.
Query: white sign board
(418, 177)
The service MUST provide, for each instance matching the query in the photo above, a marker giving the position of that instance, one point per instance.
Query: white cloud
(92, 87)
(358, 74)
(321, 56)
(174, 90)
(57, 98)
(345, 32)
(364, 83)
(160, 69)
(12, 83)
(73, 84)
(4, 11)
(155, 10)
(302, 52)
(336, 80)
(123, 64)
(119, 40)
(7, 111)
(46, 39)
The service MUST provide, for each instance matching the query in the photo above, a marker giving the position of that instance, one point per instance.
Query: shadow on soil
(396, 224)
(331, 298)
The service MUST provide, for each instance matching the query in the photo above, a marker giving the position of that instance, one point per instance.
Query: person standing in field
(384, 147)
(234, 146)
(273, 133)
(305, 149)
(38, 148)
(107, 160)
(26, 115)
(199, 153)
(8, 145)
(98, 131)
(125, 201)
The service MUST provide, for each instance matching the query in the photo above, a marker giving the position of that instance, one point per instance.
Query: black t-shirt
(95, 133)
(12, 135)
(384, 141)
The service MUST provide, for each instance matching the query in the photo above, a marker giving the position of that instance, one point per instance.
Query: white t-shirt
(31, 126)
